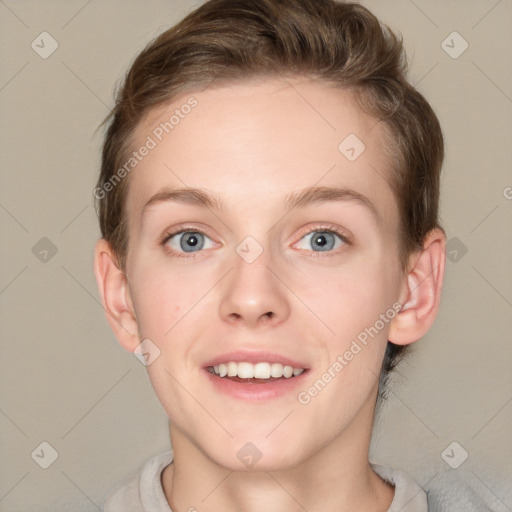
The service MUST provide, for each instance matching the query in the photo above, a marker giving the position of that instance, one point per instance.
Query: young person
(268, 203)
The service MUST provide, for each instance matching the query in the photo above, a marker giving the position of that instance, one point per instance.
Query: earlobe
(115, 297)
(421, 291)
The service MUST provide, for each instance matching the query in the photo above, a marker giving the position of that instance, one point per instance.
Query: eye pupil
(321, 240)
(191, 240)
(320, 237)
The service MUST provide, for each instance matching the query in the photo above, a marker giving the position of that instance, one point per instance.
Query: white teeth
(257, 371)
(232, 369)
(276, 370)
(245, 370)
(288, 371)
(262, 371)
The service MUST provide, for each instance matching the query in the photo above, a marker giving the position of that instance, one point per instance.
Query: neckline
(153, 496)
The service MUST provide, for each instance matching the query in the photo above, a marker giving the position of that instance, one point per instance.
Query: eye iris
(323, 240)
(320, 240)
(191, 239)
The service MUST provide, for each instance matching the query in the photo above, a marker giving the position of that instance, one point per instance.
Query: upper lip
(253, 357)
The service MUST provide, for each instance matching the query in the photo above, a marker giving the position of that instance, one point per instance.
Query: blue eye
(193, 241)
(186, 242)
(323, 241)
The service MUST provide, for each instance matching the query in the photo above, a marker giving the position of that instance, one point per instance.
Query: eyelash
(329, 228)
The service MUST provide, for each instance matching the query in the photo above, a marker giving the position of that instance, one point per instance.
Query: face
(264, 274)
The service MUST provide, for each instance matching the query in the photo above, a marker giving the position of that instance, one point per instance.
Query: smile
(263, 370)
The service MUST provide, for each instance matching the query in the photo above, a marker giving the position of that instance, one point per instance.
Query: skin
(252, 143)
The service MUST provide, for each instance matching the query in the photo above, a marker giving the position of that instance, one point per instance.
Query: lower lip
(256, 389)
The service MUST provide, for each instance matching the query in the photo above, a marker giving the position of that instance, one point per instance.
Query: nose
(253, 295)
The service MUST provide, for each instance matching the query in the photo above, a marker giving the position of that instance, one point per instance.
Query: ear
(421, 291)
(115, 296)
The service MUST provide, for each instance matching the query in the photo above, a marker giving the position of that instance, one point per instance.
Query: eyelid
(179, 230)
(343, 234)
(169, 233)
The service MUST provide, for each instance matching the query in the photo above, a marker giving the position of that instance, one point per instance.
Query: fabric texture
(461, 490)
(143, 492)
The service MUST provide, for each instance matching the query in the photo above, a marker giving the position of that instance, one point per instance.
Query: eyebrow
(298, 199)
(315, 195)
(189, 195)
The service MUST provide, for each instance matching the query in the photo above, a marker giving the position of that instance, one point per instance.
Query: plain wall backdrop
(65, 380)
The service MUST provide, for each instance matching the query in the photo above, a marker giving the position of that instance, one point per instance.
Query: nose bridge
(252, 291)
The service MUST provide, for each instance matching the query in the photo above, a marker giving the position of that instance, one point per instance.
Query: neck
(337, 476)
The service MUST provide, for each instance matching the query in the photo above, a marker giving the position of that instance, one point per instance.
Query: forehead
(253, 142)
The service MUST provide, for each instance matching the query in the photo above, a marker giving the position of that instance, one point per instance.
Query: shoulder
(458, 489)
(124, 496)
(409, 496)
(142, 491)
(448, 491)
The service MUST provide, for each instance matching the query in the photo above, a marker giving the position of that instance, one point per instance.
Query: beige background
(64, 378)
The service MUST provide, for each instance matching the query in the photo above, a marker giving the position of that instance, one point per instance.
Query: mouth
(257, 373)
(255, 381)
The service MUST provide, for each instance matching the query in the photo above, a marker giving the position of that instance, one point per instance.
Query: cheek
(162, 298)
(348, 298)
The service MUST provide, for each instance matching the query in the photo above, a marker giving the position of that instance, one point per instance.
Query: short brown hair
(336, 43)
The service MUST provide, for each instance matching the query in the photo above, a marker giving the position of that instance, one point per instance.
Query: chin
(261, 454)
